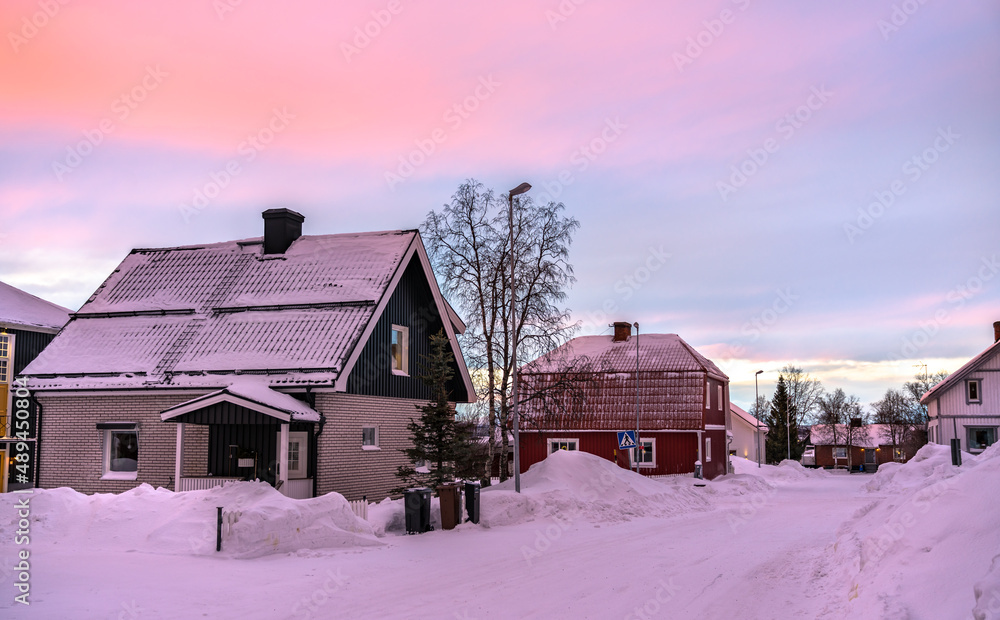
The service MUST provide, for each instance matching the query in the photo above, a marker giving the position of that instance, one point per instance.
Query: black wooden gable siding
(411, 305)
(27, 346)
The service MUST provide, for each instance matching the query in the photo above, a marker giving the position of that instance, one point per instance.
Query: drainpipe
(314, 449)
(38, 440)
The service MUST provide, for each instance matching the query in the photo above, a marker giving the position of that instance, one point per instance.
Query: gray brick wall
(71, 450)
(71, 446)
(342, 464)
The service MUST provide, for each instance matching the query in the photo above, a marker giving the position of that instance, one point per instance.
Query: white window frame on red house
(708, 449)
(571, 444)
(651, 453)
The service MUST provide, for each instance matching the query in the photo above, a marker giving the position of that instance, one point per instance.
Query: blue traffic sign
(626, 440)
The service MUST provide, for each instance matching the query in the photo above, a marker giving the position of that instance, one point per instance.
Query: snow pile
(930, 464)
(786, 471)
(928, 549)
(161, 521)
(577, 485)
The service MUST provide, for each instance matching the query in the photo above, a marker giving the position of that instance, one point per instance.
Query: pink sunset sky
(777, 182)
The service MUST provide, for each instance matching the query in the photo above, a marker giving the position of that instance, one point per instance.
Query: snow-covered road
(784, 544)
(756, 556)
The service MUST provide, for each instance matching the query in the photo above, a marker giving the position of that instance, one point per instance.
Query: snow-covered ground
(585, 539)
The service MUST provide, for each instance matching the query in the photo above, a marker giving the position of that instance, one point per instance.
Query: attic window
(974, 392)
(400, 350)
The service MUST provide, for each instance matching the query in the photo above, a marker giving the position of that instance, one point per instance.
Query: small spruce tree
(439, 441)
(782, 423)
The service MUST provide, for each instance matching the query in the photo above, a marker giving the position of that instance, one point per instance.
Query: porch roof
(253, 394)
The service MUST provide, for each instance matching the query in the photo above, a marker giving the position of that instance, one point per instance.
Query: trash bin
(417, 506)
(451, 510)
(472, 490)
(697, 469)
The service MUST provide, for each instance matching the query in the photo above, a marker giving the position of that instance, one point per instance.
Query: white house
(748, 434)
(966, 405)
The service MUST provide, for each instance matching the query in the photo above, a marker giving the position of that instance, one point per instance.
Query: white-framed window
(708, 449)
(121, 454)
(973, 391)
(840, 452)
(400, 350)
(980, 437)
(720, 397)
(647, 458)
(708, 395)
(369, 438)
(563, 444)
(4, 358)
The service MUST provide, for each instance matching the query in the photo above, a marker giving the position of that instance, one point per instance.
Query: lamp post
(638, 444)
(756, 403)
(520, 189)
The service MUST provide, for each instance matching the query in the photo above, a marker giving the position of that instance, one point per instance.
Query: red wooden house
(683, 403)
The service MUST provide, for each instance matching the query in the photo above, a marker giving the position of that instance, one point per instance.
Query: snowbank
(161, 521)
(928, 548)
(568, 485)
(786, 471)
(577, 485)
(930, 464)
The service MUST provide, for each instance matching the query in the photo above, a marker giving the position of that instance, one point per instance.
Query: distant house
(869, 445)
(27, 325)
(683, 403)
(966, 405)
(289, 358)
(749, 434)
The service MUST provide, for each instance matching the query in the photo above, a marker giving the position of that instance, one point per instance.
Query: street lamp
(756, 403)
(520, 189)
(638, 444)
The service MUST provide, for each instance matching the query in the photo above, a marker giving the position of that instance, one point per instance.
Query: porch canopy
(247, 402)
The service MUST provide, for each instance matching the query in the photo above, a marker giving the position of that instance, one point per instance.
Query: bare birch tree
(804, 394)
(469, 241)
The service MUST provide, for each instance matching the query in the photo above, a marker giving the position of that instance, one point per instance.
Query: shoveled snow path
(770, 567)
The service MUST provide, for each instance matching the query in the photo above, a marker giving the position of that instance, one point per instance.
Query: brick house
(27, 325)
(293, 359)
(869, 445)
(966, 405)
(683, 406)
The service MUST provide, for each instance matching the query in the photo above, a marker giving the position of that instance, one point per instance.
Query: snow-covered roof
(602, 391)
(662, 352)
(253, 393)
(960, 374)
(746, 417)
(19, 309)
(195, 316)
(867, 436)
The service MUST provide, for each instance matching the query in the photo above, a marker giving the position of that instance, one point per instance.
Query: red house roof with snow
(671, 394)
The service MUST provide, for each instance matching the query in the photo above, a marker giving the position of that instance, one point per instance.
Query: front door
(298, 454)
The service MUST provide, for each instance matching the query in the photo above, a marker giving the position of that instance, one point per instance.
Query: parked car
(809, 457)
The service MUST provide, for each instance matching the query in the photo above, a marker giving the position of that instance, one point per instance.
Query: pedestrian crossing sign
(626, 440)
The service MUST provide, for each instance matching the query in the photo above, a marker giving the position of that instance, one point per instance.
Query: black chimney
(281, 228)
(622, 331)
(996, 331)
